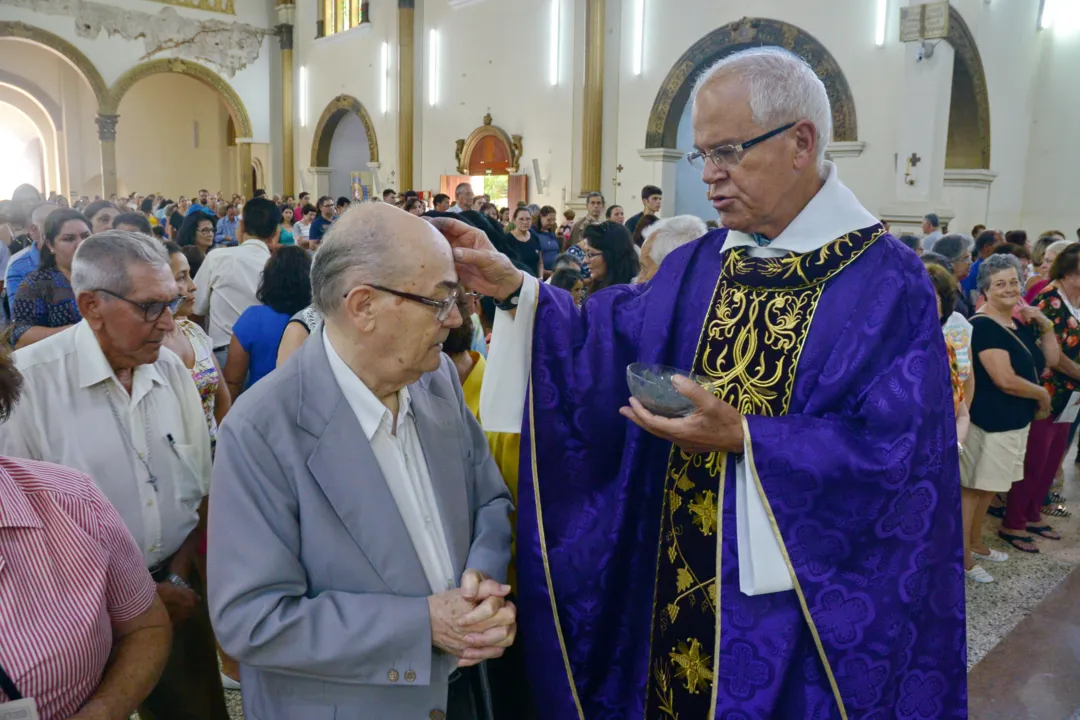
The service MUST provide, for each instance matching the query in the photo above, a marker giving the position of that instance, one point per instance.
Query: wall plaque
(935, 20)
(911, 23)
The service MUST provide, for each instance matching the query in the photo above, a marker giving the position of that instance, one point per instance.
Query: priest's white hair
(783, 88)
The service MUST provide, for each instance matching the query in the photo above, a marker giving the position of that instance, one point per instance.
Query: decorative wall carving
(230, 46)
(106, 126)
(512, 142)
(219, 6)
(338, 108)
(749, 32)
(72, 54)
(967, 52)
(208, 77)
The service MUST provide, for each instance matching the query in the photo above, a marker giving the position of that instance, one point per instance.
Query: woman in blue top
(543, 233)
(45, 302)
(285, 289)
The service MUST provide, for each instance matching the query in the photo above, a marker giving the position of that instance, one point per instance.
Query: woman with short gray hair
(956, 248)
(1008, 356)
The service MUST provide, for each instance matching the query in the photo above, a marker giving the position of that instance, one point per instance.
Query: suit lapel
(346, 470)
(440, 438)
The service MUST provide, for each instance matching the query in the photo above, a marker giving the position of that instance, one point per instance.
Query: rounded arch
(495, 148)
(208, 77)
(34, 92)
(30, 33)
(969, 95)
(338, 108)
(747, 33)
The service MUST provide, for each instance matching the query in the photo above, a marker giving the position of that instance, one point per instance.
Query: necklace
(144, 459)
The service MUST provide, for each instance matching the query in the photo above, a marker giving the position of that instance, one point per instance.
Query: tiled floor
(1033, 691)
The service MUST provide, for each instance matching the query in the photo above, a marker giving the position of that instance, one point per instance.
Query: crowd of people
(1008, 310)
(278, 446)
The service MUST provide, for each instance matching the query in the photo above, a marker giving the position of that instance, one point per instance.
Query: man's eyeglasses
(728, 156)
(443, 307)
(151, 310)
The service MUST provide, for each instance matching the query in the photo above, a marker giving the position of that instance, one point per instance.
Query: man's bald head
(37, 221)
(375, 244)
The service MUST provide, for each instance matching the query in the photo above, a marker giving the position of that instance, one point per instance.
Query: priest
(793, 548)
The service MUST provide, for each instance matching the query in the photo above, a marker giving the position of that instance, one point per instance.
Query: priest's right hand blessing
(481, 268)
(715, 426)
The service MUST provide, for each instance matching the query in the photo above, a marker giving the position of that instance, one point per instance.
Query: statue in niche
(515, 152)
(460, 150)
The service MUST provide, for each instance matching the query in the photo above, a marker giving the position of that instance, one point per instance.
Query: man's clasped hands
(474, 622)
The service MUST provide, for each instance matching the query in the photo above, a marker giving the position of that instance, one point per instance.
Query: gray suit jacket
(314, 585)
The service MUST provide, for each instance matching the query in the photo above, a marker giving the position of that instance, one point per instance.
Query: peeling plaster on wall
(231, 46)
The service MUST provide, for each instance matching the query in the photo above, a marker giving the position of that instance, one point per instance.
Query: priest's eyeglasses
(151, 310)
(443, 307)
(728, 156)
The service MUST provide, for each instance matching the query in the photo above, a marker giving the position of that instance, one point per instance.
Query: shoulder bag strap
(1016, 337)
(8, 687)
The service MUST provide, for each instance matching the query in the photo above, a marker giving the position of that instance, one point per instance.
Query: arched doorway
(345, 142)
(192, 138)
(33, 59)
(968, 144)
(669, 122)
(490, 160)
(22, 145)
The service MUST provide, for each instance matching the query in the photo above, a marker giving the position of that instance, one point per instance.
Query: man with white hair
(361, 529)
(784, 542)
(105, 398)
(663, 238)
(28, 259)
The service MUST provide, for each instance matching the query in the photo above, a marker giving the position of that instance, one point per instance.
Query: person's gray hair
(954, 246)
(357, 249)
(1055, 248)
(992, 265)
(783, 88)
(671, 233)
(102, 261)
(534, 210)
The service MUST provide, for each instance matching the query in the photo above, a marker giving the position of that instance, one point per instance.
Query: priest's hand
(481, 268)
(714, 427)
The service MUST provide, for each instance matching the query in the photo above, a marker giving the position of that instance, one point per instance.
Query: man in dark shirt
(652, 198)
(323, 221)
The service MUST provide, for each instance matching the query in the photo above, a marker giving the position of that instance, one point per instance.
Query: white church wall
(494, 58)
(349, 63)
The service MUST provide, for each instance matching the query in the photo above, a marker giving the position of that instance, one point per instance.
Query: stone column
(322, 181)
(285, 11)
(107, 136)
(406, 27)
(592, 135)
(243, 162)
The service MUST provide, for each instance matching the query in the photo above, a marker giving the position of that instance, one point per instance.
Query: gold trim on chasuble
(750, 345)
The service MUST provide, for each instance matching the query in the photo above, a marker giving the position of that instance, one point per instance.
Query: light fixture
(385, 77)
(639, 36)
(882, 22)
(553, 68)
(433, 68)
(303, 96)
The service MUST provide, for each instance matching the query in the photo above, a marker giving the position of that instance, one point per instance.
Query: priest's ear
(806, 140)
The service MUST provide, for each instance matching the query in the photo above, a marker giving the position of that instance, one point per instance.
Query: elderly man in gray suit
(359, 528)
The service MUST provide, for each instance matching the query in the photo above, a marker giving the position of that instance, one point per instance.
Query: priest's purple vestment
(627, 555)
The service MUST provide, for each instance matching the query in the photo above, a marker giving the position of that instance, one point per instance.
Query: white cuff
(509, 360)
(762, 569)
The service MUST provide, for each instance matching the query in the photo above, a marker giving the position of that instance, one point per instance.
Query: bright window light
(17, 168)
(1047, 18)
(303, 96)
(553, 68)
(433, 68)
(639, 36)
(882, 22)
(385, 77)
(1062, 15)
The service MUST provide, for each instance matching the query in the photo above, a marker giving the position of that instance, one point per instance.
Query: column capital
(285, 35)
(106, 126)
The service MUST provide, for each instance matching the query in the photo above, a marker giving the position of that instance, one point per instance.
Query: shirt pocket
(188, 484)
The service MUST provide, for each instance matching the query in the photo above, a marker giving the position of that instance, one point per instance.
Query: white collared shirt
(402, 462)
(227, 283)
(64, 417)
(832, 213)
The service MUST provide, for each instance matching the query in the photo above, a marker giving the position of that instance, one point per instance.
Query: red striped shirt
(68, 570)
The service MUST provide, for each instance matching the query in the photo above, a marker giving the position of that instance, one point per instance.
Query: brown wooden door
(517, 190)
(448, 183)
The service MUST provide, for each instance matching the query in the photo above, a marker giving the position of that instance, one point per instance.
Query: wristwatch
(511, 301)
(178, 581)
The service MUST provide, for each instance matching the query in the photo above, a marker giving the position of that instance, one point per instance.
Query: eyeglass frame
(443, 308)
(738, 150)
(172, 306)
